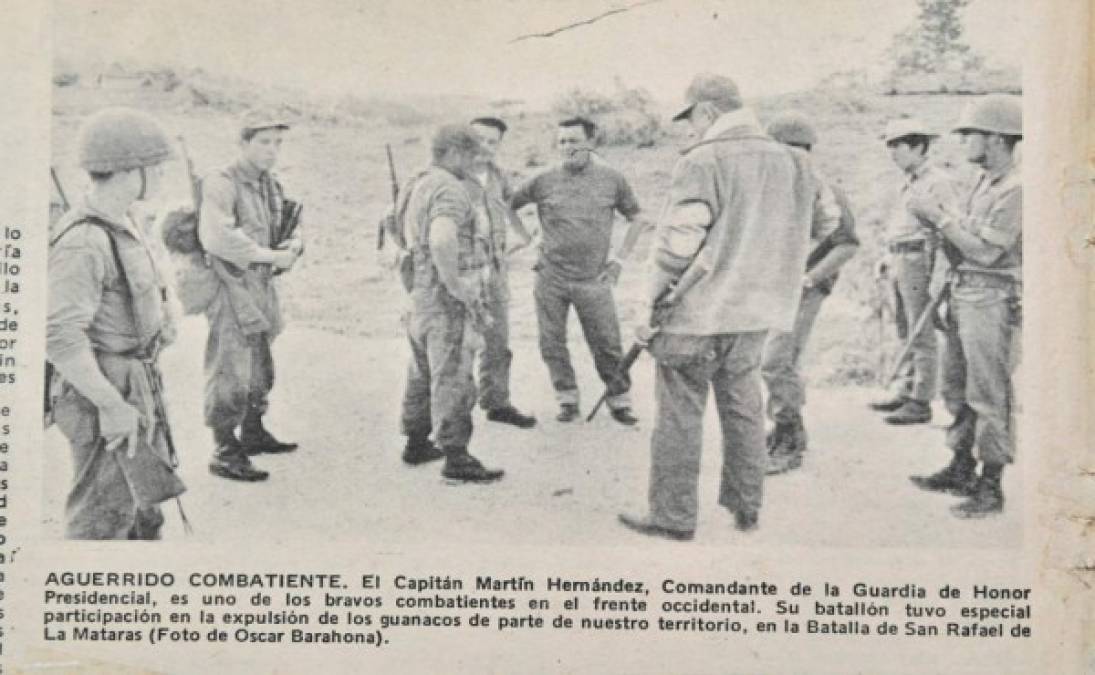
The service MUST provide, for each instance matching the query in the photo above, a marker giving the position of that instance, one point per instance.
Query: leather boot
(958, 478)
(510, 415)
(461, 466)
(420, 450)
(888, 404)
(256, 440)
(568, 412)
(987, 499)
(911, 411)
(230, 459)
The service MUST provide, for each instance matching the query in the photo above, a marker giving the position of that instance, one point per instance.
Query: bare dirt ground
(564, 484)
(341, 360)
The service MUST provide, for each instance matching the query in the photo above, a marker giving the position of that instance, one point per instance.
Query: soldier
(576, 203)
(490, 190)
(739, 209)
(241, 209)
(912, 244)
(106, 323)
(783, 350)
(984, 241)
(447, 309)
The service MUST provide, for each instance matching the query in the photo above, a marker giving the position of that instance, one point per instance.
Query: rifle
(395, 196)
(918, 328)
(663, 306)
(195, 186)
(60, 189)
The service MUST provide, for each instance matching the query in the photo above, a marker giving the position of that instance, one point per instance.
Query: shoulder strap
(98, 222)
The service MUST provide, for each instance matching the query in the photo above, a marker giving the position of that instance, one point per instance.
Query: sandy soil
(339, 396)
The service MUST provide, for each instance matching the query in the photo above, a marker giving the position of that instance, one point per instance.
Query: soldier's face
(903, 155)
(489, 139)
(573, 146)
(263, 148)
(701, 119)
(976, 145)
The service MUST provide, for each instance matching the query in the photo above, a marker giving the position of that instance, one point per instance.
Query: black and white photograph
(306, 296)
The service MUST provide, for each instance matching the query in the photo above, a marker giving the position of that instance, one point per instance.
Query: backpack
(196, 283)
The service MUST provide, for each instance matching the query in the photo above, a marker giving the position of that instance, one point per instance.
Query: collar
(743, 118)
(1000, 174)
(127, 225)
(919, 172)
(248, 172)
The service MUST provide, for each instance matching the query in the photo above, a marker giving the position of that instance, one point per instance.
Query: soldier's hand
(120, 424)
(927, 208)
(284, 259)
(644, 334)
(611, 273)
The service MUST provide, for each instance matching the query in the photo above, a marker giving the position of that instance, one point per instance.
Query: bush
(626, 117)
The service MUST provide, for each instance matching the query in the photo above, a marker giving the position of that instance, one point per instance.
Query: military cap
(494, 122)
(708, 87)
(906, 126)
(258, 119)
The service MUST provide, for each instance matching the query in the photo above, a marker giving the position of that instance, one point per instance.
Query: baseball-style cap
(906, 126)
(709, 87)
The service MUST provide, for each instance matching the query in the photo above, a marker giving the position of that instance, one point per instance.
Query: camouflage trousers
(440, 393)
(687, 367)
(980, 355)
(782, 359)
(239, 371)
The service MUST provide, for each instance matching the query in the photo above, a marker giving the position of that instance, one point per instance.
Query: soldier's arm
(987, 241)
(217, 227)
(684, 225)
(445, 252)
(629, 208)
(77, 269)
(843, 241)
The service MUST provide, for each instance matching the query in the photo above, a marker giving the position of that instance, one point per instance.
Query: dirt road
(339, 396)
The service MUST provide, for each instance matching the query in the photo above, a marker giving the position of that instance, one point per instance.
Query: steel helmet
(793, 129)
(120, 139)
(906, 126)
(993, 114)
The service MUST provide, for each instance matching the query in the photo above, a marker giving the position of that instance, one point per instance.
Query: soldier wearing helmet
(106, 323)
(983, 238)
(241, 209)
(783, 350)
(910, 263)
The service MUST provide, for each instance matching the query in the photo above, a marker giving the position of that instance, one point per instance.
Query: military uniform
(912, 245)
(490, 194)
(116, 316)
(240, 210)
(441, 330)
(983, 346)
(783, 350)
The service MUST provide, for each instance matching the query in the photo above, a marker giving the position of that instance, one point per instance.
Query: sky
(390, 48)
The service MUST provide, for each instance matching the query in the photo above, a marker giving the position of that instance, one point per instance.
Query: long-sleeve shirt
(763, 199)
(994, 212)
(906, 227)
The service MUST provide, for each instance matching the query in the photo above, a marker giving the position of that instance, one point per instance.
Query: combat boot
(510, 415)
(987, 498)
(624, 417)
(420, 450)
(230, 459)
(568, 412)
(959, 478)
(256, 440)
(888, 404)
(911, 411)
(461, 466)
